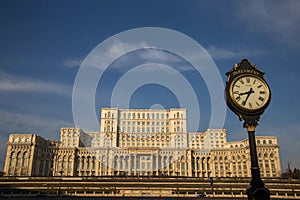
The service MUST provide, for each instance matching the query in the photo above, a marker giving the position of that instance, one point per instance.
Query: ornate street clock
(247, 93)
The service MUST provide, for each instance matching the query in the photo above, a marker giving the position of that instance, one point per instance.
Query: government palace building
(139, 142)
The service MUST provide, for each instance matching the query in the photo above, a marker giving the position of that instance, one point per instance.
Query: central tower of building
(141, 128)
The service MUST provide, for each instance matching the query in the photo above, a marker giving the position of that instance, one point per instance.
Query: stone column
(134, 164)
(151, 164)
(270, 167)
(196, 166)
(189, 163)
(157, 166)
(31, 161)
(8, 159)
(204, 167)
(162, 163)
(263, 170)
(129, 164)
(277, 166)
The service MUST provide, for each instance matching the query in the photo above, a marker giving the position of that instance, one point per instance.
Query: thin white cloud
(12, 122)
(278, 19)
(101, 59)
(226, 53)
(74, 62)
(13, 83)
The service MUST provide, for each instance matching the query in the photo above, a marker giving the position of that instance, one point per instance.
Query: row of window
(258, 142)
(143, 115)
(16, 140)
(133, 123)
(145, 130)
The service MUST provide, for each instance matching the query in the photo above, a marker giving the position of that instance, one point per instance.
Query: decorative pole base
(258, 193)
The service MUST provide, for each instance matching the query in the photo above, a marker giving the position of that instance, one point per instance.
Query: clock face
(249, 92)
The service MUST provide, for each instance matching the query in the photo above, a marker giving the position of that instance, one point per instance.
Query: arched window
(116, 162)
(88, 162)
(13, 159)
(259, 155)
(264, 142)
(70, 162)
(82, 162)
(59, 161)
(270, 141)
(19, 159)
(93, 163)
(77, 162)
(25, 159)
(64, 162)
(258, 141)
(13, 154)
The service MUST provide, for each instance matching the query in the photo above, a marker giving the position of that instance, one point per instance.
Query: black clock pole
(257, 189)
(242, 82)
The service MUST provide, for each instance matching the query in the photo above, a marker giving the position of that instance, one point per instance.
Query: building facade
(139, 142)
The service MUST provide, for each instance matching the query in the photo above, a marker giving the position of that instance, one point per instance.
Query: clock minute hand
(248, 94)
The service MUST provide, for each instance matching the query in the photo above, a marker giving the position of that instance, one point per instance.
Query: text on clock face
(250, 92)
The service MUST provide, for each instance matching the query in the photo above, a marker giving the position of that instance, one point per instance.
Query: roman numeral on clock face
(261, 98)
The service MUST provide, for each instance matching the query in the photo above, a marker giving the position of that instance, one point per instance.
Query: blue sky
(43, 44)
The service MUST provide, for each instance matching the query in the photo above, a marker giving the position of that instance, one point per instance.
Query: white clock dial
(249, 92)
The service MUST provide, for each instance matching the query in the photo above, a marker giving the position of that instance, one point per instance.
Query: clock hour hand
(244, 93)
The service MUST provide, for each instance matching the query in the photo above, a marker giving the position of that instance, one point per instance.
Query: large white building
(137, 142)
